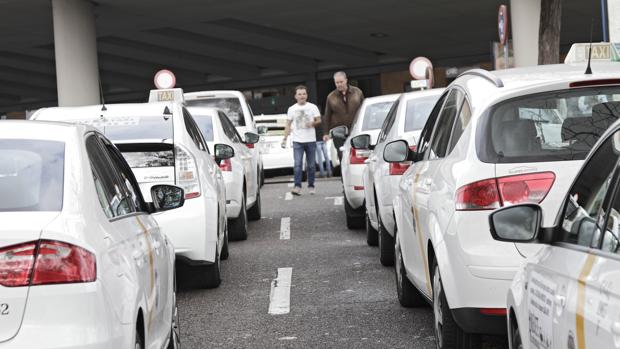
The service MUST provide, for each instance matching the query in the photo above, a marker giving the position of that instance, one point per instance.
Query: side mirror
(519, 223)
(167, 197)
(396, 151)
(339, 132)
(361, 142)
(262, 130)
(251, 138)
(223, 152)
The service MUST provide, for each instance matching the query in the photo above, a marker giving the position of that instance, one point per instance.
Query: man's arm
(287, 129)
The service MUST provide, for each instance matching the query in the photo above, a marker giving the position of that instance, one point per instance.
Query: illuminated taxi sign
(167, 95)
(601, 51)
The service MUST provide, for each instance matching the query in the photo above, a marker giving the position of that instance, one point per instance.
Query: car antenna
(103, 108)
(589, 68)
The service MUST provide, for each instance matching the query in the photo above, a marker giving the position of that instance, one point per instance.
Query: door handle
(428, 182)
(156, 245)
(137, 255)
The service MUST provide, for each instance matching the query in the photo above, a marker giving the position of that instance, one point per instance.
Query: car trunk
(17, 228)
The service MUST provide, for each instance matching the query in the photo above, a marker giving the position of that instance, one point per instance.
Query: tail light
(494, 311)
(358, 156)
(398, 168)
(186, 173)
(249, 145)
(46, 262)
(226, 165)
(493, 193)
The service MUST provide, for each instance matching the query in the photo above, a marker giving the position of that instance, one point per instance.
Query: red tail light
(493, 311)
(250, 145)
(398, 168)
(226, 165)
(358, 156)
(46, 262)
(493, 193)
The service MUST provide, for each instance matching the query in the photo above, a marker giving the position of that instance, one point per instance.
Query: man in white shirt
(302, 117)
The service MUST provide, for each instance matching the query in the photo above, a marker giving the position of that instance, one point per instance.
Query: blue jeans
(298, 152)
(322, 154)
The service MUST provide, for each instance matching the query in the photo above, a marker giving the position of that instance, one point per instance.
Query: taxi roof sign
(167, 95)
(601, 51)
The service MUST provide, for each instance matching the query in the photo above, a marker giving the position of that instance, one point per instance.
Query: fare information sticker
(115, 121)
(540, 308)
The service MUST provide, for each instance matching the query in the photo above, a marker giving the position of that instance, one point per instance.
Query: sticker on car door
(541, 293)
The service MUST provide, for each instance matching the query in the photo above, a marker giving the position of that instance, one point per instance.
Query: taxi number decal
(541, 294)
(4, 309)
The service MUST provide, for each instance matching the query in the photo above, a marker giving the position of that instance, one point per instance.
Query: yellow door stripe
(581, 300)
(145, 233)
(416, 216)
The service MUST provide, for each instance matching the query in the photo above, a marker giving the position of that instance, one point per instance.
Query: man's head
(340, 80)
(301, 94)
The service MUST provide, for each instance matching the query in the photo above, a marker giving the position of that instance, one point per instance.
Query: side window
(588, 199)
(389, 122)
(109, 191)
(229, 128)
(193, 130)
(124, 171)
(441, 135)
(427, 131)
(460, 124)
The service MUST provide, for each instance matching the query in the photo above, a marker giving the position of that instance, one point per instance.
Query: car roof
(380, 99)
(421, 94)
(112, 110)
(43, 130)
(213, 94)
(202, 111)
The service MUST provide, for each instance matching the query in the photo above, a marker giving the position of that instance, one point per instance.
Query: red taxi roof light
(596, 82)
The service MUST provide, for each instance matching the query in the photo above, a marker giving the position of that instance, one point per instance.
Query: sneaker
(311, 190)
(296, 191)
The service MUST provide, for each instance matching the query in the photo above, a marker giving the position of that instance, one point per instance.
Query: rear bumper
(278, 160)
(471, 320)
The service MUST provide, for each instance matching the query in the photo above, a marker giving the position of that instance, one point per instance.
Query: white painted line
(288, 196)
(280, 297)
(285, 228)
(338, 200)
(290, 185)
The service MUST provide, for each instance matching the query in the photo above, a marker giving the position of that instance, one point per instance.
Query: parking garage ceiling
(215, 44)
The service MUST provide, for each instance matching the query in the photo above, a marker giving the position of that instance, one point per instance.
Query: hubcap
(437, 306)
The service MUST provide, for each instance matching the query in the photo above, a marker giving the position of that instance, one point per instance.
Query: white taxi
(83, 264)
(367, 123)
(568, 294)
(241, 177)
(233, 103)
(271, 130)
(163, 145)
(493, 139)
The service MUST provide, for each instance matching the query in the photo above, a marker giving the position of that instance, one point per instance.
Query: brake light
(249, 145)
(493, 311)
(493, 193)
(54, 262)
(597, 82)
(186, 172)
(226, 165)
(358, 156)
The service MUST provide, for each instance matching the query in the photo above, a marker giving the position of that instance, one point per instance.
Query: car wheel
(515, 336)
(372, 236)
(448, 334)
(408, 295)
(174, 342)
(386, 246)
(355, 220)
(238, 227)
(224, 254)
(139, 341)
(254, 213)
(262, 178)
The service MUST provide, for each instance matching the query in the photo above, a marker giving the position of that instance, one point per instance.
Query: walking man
(341, 106)
(302, 117)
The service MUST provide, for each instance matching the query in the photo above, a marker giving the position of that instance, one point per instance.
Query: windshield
(31, 175)
(230, 105)
(549, 127)
(375, 115)
(418, 111)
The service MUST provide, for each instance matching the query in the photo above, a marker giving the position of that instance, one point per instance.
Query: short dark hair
(301, 87)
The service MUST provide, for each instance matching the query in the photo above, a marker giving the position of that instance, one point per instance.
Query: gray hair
(341, 73)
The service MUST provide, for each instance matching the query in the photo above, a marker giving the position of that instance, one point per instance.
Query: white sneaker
(296, 191)
(311, 190)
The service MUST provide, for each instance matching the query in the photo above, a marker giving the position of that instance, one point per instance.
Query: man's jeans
(323, 155)
(298, 152)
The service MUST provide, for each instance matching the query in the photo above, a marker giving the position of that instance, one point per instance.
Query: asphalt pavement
(340, 295)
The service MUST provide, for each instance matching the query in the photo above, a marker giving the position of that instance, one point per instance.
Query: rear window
(418, 111)
(548, 127)
(230, 105)
(144, 155)
(205, 124)
(138, 128)
(375, 115)
(31, 175)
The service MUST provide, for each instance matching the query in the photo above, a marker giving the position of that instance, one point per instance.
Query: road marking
(291, 338)
(338, 200)
(285, 228)
(280, 296)
(288, 196)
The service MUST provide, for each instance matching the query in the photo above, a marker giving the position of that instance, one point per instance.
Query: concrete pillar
(613, 17)
(312, 89)
(75, 42)
(525, 19)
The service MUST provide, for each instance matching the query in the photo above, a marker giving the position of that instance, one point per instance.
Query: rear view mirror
(339, 132)
(251, 138)
(167, 197)
(519, 223)
(223, 152)
(396, 151)
(361, 142)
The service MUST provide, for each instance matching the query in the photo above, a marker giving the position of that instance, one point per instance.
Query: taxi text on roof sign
(601, 51)
(167, 95)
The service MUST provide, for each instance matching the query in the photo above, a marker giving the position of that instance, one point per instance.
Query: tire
(386, 246)
(262, 178)
(254, 213)
(224, 255)
(354, 219)
(372, 236)
(174, 340)
(448, 334)
(211, 277)
(408, 295)
(238, 227)
(515, 335)
(139, 344)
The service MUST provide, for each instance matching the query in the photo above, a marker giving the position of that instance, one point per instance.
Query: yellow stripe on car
(581, 300)
(416, 217)
(151, 298)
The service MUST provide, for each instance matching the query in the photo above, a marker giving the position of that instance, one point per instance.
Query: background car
(367, 121)
(488, 143)
(163, 145)
(380, 178)
(271, 130)
(568, 294)
(233, 103)
(80, 252)
(241, 177)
